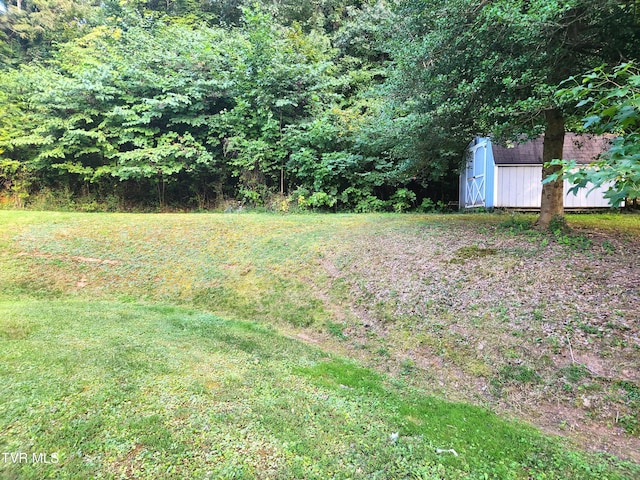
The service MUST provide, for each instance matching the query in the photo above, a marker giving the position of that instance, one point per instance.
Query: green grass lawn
(154, 346)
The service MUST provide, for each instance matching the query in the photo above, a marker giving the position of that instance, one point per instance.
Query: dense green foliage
(363, 105)
(612, 103)
(492, 68)
(164, 107)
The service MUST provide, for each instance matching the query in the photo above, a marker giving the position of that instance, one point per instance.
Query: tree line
(330, 104)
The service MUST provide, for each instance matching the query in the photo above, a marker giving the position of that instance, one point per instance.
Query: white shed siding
(495, 185)
(585, 197)
(520, 187)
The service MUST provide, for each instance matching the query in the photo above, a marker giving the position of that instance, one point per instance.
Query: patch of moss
(471, 252)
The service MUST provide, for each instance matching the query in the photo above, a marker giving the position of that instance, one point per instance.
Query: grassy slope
(108, 357)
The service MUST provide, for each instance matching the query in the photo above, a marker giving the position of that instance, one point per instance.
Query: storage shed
(511, 177)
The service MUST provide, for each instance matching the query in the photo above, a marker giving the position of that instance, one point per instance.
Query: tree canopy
(355, 104)
(492, 68)
(610, 102)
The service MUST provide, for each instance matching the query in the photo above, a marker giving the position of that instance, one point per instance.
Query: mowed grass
(148, 346)
(246, 266)
(119, 390)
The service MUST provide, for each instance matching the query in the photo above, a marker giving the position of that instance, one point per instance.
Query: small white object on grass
(394, 437)
(450, 450)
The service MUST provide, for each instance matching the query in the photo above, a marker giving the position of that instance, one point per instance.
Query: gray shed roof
(581, 148)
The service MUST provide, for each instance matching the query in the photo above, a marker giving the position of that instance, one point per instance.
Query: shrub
(321, 199)
(403, 200)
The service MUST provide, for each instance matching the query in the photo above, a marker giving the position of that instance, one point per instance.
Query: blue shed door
(476, 172)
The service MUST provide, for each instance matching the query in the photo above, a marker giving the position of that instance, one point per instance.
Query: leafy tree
(30, 28)
(611, 103)
(282, 78)
(154, 103)
(472, 68)
(130, 106)
(164, 105)
(325, 15)
(329, 155)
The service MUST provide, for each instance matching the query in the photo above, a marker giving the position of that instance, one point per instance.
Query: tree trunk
(552, 202)
(281, 179)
